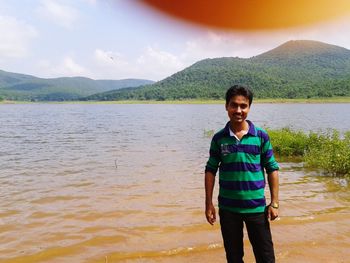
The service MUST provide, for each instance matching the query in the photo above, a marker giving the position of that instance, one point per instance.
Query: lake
(124, 183)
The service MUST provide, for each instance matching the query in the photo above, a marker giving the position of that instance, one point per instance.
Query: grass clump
(327, 151)
(287, 143)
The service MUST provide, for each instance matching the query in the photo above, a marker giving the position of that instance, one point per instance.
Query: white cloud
(65, 68)
(71, 67)
(15, 37)
(225, 44)
(111, 65)
(157, 64)
(60, 14)
(151, 64)
(108, 58)
(155, 61)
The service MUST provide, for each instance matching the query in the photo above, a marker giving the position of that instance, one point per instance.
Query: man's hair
(239, 90)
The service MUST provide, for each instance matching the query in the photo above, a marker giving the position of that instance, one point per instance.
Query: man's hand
(210, 214)
(272, 177)
(272, 213)
(209, 182)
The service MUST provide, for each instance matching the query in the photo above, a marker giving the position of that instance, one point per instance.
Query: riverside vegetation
(327, 151)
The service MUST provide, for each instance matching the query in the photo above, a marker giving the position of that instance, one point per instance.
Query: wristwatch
(274, 205)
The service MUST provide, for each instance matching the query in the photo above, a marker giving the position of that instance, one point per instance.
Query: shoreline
(257, 101)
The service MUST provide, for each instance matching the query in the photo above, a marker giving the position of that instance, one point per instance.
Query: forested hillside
(14, 86)
(296, 69)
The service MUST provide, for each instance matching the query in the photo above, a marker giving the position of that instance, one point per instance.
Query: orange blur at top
(252, 14)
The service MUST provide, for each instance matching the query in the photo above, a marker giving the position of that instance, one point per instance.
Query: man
(241, 151)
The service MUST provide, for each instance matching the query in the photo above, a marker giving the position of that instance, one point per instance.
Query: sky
(119, 39)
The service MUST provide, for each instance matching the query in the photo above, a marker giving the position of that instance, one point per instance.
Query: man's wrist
(208, 202)
(274, 205)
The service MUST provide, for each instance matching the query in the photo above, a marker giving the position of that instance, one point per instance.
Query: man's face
(237, 109)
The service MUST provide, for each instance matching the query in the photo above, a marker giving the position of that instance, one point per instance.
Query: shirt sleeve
(214, 158)
(268, 159)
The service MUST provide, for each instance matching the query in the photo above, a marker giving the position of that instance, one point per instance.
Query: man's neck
(239, 127)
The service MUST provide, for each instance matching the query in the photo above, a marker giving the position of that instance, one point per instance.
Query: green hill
(14, 86)
(296, 69)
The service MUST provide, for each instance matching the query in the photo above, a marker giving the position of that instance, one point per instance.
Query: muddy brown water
(124, 183)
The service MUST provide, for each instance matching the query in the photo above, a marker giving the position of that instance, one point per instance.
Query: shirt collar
(251, 131)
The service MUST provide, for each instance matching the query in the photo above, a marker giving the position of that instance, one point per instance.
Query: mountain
(16, 86)
(295, 69)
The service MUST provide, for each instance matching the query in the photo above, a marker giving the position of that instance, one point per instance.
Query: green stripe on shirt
(241, 195)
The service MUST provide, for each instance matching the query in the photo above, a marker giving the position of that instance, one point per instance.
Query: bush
(327, 151)
(331, 153)
(288, 143)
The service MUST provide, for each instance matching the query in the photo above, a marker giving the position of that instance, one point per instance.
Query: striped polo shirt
(241, 165)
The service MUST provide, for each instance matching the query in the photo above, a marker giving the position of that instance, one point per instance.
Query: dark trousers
(259, 234)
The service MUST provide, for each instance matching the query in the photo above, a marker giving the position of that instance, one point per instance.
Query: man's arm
(273, 180)
(209, 183)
